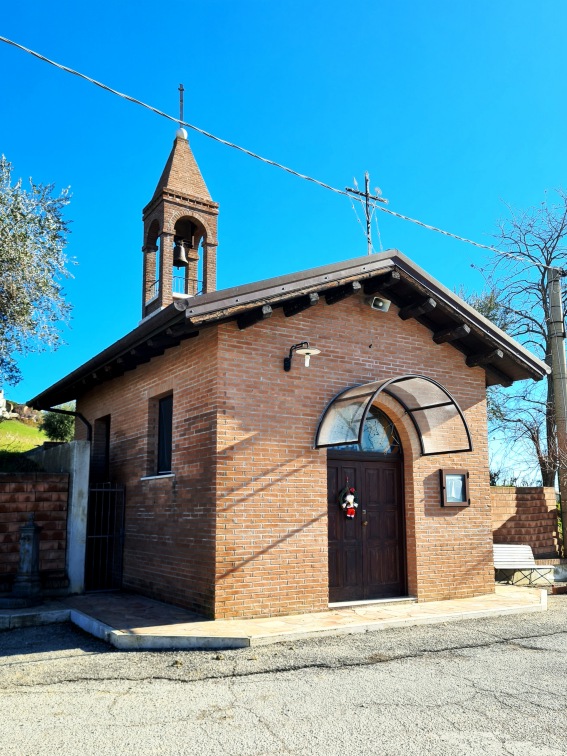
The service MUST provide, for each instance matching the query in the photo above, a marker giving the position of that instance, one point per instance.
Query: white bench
(514, 564)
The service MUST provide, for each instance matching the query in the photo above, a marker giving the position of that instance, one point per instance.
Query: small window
(165, 434)
(454, 488)
(100, 460)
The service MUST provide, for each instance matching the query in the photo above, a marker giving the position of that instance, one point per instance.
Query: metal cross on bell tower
(181, 90)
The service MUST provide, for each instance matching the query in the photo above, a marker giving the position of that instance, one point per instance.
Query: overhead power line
(169, 117)
(254, 155)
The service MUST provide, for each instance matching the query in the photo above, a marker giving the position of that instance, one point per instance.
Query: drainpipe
(81, 417)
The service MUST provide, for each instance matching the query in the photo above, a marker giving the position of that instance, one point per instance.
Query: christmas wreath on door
(348, 501)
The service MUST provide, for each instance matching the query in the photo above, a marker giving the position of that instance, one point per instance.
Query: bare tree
(532, 242)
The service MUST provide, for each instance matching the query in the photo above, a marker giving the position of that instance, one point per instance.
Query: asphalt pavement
(489, 686)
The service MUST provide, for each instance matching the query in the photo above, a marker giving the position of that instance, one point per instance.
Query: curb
(33, 618)
(91, 625)
(131, 642)
(125, 640)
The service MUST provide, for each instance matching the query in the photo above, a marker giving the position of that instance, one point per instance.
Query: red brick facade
(46, 495)
(526, 515)
(240, 529)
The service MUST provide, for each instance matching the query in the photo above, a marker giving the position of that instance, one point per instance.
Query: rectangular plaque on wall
(454, 488)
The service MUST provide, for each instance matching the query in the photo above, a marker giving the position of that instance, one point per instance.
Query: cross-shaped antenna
(181, 90)
(367, 197)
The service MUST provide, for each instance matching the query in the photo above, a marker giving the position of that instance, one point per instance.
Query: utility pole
(559, 376)
(367, 197)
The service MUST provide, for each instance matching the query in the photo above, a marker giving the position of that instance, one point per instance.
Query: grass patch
(16, 436)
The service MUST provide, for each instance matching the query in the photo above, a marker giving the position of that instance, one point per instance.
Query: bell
(179, 257)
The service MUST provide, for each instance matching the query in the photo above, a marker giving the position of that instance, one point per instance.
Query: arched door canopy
(436, 416)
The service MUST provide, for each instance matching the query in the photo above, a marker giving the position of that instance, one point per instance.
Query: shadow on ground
(46, 639)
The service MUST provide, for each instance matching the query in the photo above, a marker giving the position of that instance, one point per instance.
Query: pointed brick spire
(181, 173)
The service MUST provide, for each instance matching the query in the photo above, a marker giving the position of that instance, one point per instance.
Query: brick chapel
(318, 438)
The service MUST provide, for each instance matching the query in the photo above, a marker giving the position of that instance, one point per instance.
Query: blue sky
(454, 108)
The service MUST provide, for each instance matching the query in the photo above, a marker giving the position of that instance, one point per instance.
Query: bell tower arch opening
(188, 244)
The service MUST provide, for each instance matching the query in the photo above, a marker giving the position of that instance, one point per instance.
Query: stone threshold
(373, 602)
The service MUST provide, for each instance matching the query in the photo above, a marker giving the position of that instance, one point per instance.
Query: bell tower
(180, 233)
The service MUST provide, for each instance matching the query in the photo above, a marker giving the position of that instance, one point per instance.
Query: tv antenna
(367, 206)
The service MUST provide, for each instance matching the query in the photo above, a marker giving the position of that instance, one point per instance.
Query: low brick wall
(46, 495)
(525, 515)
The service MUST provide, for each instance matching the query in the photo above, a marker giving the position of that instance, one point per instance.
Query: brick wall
(272, 485)
(526, 515)
(170, 523)
(241, 530)
(45, 494)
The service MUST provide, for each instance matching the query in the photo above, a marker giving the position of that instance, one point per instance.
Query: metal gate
(105, 537)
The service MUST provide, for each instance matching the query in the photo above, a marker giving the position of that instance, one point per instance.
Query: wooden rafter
(452, 333)
(250, 317)
(299, 304)
(484, 358)
(332, 296)
(414, 310)
(379, 283)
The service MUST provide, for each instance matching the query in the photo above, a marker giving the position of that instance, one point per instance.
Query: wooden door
(366, 554)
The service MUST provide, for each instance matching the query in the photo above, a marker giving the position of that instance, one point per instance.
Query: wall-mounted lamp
(301, 348)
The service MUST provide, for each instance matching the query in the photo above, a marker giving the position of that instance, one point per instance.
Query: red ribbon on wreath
(348, 501)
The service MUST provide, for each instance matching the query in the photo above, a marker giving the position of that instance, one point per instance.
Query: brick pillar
(149, 252)
(165, 269)
(209, 266)
(192, 271)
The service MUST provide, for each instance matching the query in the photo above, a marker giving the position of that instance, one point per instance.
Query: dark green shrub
(58, 427)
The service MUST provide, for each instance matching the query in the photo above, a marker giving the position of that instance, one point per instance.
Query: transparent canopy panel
(378, 435)
(436, 416)
(341, 421)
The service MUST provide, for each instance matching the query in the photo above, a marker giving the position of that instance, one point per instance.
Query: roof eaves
(494, 335)
(229, 302)
(148, 328)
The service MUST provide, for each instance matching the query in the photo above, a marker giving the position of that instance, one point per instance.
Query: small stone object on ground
(375, 658)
